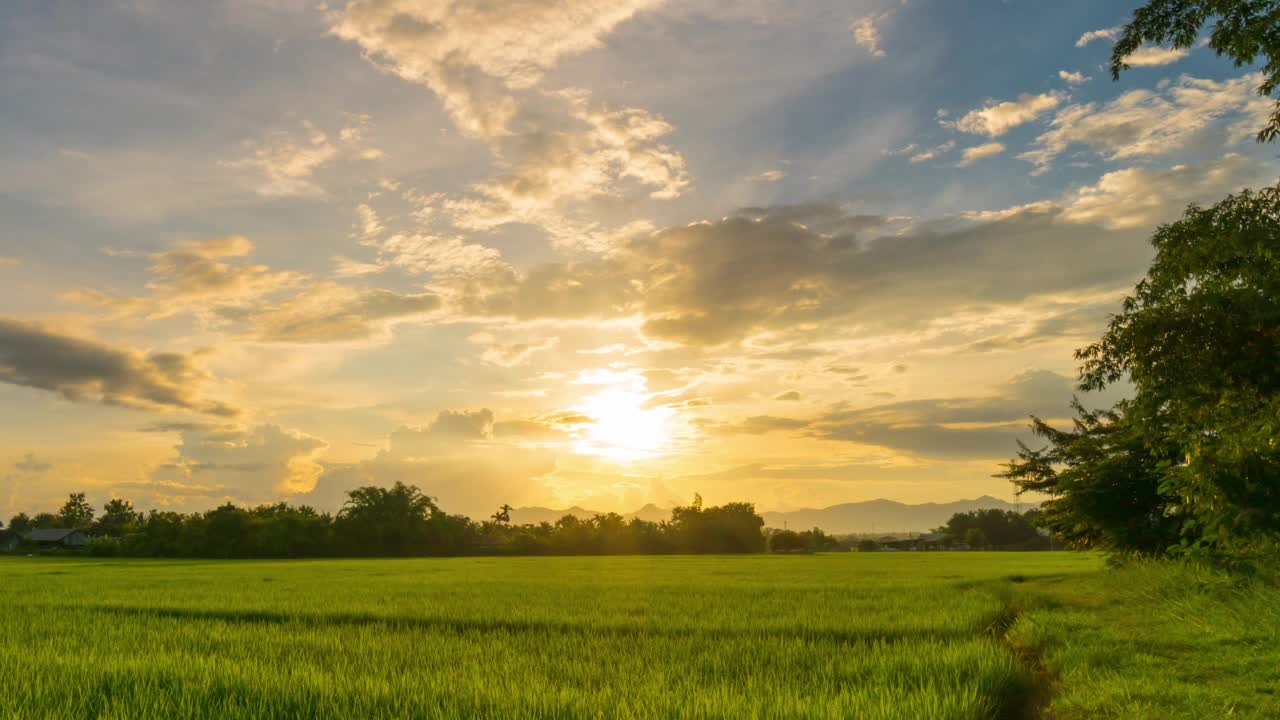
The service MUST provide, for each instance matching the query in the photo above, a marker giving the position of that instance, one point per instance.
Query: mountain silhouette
(878, 516)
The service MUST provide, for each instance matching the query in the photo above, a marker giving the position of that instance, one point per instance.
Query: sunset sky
(557, 252)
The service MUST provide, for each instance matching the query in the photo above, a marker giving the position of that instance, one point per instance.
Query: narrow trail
(1032, 702)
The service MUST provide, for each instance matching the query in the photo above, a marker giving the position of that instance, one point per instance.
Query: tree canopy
(1194, 456)
(401, 521)
(1243, 30)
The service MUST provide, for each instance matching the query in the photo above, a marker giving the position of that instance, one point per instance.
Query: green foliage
(1192, 462)
(730, 528)
(21, 523)
(76, 512)
(787, 541)
(1104, 479)
(1243, 30)
(995, 529)
(45, 520)
(118, 518)
(1200, 341)
(868, 545)
(401, 521)
(975, 538)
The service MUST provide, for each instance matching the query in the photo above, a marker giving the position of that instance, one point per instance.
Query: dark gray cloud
(959, 428)
(788, 269)
(84, 370)
(29, 464)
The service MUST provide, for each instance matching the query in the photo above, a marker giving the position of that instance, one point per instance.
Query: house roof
(934, 537)
(52, 534)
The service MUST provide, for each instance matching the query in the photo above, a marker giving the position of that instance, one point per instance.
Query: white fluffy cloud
(979, 152)
(933, 152)
(485, 62)
(1111, 33)
(1155, 56)
(1144, 123)
(866, 33)
(1142, 197)
(995, 119)
(473, 54)
(1073, 77)
(288, 164)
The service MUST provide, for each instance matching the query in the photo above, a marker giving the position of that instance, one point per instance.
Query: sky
(573, 252)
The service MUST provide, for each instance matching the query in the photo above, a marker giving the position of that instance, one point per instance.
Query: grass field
(905, 635)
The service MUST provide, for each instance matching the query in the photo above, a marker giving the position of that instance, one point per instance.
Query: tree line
(402, 521)
(399, 521)
(1190, 464)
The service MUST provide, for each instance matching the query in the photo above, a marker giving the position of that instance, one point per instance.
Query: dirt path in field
(1035, 699)
(1031, 702)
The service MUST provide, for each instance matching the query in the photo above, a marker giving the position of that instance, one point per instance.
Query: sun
(623, 426)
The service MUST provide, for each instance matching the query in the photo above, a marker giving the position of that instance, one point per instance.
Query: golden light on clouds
(558, 252)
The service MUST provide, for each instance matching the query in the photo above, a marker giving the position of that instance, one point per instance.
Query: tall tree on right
(1200, 341)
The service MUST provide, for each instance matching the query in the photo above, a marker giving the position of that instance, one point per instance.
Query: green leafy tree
(787, 541)
(1243, 30)
(1105, 482)
(1002, 529)
(399, 520)
(118, 518)
(730, 528)
(974, 537)
(45, 521)
(76, 512)
(21, 523)
(1200, 341)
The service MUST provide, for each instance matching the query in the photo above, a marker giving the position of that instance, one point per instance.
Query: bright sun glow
(624, 428)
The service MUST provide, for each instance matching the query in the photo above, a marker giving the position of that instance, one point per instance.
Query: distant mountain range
(871, 516)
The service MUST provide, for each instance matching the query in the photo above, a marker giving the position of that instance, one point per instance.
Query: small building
(9, 540)
(59, 537)
(934, 541)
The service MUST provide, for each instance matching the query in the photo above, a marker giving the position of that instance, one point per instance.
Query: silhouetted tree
(76, 512)
(399, 520)
(1001, 529)
(118, 518)
(45, 520)
(731, 528)
(20, 523)
(1104, 478)
(787, 541)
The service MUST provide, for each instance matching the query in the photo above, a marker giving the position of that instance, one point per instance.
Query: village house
(59, 537)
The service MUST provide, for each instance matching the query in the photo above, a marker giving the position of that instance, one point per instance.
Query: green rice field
(861, 635)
